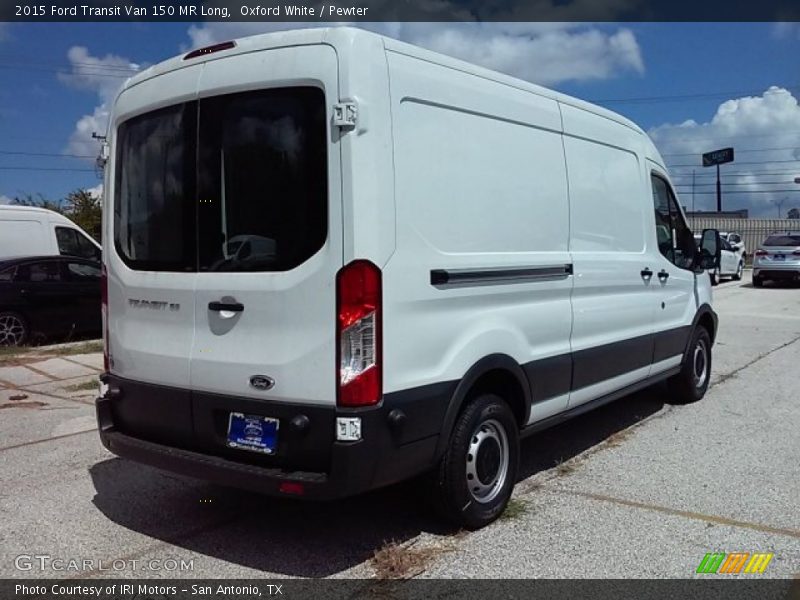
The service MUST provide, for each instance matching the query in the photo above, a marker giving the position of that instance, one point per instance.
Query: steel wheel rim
(700, 364)
(487, 461)
(12, 330)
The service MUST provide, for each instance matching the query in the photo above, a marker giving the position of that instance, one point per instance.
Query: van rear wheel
(474, 480)
(691, 383)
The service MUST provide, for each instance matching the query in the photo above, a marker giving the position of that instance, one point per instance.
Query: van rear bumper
(390, 450)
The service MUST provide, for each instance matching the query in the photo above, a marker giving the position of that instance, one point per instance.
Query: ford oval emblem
(262, 382)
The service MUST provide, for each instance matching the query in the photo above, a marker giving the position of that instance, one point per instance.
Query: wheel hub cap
(700, 363)
(487, 461)
(11, 331)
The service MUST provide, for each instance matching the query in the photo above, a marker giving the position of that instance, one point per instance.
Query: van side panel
(20, 235)
(481, 199)
(613, 304)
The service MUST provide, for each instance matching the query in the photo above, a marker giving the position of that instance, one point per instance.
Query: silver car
(777, 259)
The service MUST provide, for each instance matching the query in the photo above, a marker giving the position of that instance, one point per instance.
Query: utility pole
(719, 192)
(692, 190)
(779, 205)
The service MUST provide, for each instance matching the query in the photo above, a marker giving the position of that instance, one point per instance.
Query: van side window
(71, 242)
(675, 239)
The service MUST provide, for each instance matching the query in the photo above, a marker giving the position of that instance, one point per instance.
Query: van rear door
(269, 230)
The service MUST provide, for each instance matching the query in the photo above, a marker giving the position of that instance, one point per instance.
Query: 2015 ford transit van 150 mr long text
(334, 261)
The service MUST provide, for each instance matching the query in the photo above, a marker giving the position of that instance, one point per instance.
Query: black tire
(739, 270)
(13, 329)
(758, 282)
(470, 460)
(691, 383)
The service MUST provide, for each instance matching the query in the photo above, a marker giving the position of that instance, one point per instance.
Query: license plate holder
(254, 433)
(779, 257)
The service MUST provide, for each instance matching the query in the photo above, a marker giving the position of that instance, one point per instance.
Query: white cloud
(5, 199)
(102, 76)
(96, 191)
(545, 53)
(769, 121)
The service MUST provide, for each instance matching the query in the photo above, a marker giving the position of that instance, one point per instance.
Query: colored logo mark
(735, 562)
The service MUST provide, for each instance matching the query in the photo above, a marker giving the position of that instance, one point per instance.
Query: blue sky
(47, 87)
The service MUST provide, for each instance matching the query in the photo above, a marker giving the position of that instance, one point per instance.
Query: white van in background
(34, 231)
(448, 259)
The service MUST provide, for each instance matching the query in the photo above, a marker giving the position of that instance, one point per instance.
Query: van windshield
(229, 183)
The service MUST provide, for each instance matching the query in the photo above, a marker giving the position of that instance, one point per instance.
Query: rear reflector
(358, 332)
(210, 50)
(291, 487)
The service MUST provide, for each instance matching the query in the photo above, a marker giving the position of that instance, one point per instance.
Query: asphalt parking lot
(640, 488)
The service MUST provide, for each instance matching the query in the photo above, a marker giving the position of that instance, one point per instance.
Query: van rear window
(230, 183)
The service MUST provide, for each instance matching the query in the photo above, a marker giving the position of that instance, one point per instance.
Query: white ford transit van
(34, 231)
(335, 261)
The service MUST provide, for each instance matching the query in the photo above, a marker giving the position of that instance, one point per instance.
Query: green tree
(40, 201)
(794, 213)
(85, 210)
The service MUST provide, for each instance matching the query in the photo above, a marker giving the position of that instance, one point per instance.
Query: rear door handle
(227, 306)
(646, 273)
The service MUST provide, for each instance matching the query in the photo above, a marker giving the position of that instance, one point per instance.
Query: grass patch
(516, 508)
(403, 561)
(564, 468)
(83, 348)
(81, 387)
(9, 353)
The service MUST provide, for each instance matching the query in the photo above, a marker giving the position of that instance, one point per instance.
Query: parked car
(777, 259)
(737, 243)
(731, 264)
(33, 231)
(460, 259)
(48, 296)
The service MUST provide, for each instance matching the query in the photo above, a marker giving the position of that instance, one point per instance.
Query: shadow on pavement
(307, 539)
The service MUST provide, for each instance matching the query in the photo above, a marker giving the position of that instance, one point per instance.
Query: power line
(47, 154)
(64, 71)
(45, 169)
(737, 151)
(749, 183)
(755, 162)
(744, 191)
(681, 97)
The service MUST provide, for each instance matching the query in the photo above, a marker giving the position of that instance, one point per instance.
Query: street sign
(718, 157)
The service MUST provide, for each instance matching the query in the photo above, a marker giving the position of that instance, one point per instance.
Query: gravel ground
(639, 488)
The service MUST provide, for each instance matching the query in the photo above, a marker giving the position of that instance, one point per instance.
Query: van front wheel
(691, 383)
(476, 475)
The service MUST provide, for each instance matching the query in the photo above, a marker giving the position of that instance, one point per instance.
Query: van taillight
(104, 311)
(358, 331)
(761, 253)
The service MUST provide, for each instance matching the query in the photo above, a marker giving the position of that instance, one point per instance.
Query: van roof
(28, 209)
(344, 37)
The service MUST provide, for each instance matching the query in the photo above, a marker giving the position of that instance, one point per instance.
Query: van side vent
(345, 115)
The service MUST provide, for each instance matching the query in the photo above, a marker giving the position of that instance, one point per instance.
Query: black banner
(361, 11)
(706, 587)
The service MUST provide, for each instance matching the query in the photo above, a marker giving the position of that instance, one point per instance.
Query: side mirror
(710, 249)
